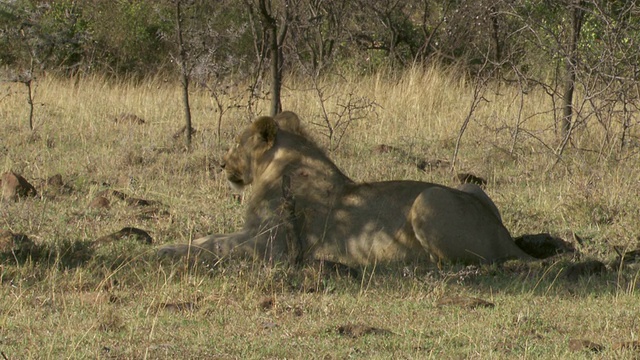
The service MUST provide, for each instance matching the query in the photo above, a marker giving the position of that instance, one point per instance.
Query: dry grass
(69, 298)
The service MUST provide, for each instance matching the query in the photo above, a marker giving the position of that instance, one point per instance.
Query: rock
(56, 185)
(55, 180)
(543, 245)
(100, 202)
(266, 303)
(15, 186)
(137, 234)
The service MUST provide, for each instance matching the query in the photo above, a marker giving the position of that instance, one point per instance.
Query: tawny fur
(338, 220)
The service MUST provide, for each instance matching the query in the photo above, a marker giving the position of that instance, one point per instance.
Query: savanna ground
(68, 297)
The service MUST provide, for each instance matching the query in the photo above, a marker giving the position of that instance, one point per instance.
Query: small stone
(266, 303)
(126, 232)
(55, 180)
(543, 245)
(15, 186)
(100, 202)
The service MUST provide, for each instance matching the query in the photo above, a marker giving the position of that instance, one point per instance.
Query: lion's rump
(363, 223)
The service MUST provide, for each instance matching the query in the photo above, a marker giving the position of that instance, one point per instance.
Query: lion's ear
(267, 128)
(289, 121)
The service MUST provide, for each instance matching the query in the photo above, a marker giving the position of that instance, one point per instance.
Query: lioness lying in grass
(336, 219)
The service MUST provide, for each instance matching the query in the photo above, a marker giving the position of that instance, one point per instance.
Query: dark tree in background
(184, 73)
(576, 16)
(275, 25)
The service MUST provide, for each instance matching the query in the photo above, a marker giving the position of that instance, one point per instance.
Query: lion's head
(241, 163)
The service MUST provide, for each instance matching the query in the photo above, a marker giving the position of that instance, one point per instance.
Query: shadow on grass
(560, 275)
(563, 276)
(66, 254)
(63, 254)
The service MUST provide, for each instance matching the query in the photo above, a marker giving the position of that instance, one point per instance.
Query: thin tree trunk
(276, 81)
(30, 101)
(275, 49)
(571, 61)
(184, 76)
(493, 14)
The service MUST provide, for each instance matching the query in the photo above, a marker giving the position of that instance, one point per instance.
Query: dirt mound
(585, 268)
(15, 186)
(55, 185)
(543, 245)
(100, 202)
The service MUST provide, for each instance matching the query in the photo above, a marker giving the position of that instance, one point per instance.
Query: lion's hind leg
(456, 226)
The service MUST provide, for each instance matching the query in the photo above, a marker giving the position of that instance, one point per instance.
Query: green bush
(127, 36)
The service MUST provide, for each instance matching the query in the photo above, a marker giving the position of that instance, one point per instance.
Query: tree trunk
(571, 61)
(184, 76)
(495, 26)
(276, 74)
(275, 49)
(30, 100)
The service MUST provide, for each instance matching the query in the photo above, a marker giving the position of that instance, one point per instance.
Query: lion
(335, 219)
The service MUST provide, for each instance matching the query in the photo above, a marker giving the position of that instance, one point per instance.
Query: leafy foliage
(124, 37)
